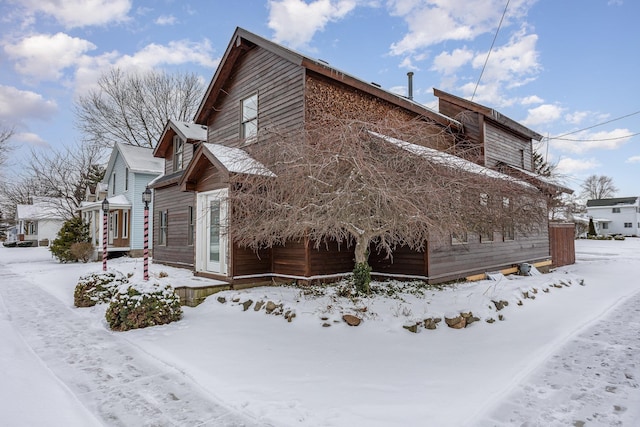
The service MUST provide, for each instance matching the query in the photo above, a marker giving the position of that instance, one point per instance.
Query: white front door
(212, 237)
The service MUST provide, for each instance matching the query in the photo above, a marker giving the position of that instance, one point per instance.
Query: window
(32, 228)
(125, 225)
(114, 223)
(484, 199)
(162, 236)
(508, 232)
(459, 238)
(192, 225)
(605, 226)
(615, 210)
(628, 225)
(113, 184)
(249, 111)
(522, 159)
(486, 236)
(178, 153)
(126, 179)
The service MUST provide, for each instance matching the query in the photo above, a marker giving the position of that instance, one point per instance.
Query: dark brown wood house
(260, 85)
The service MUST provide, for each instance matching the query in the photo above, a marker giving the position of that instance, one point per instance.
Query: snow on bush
(142, 304)
(94, 288)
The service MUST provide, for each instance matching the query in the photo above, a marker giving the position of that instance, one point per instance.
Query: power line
(597, 140)
(596, 125)
(495, 36)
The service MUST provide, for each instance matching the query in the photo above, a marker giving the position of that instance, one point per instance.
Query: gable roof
(243, 40)
(489, 113)
(227, 159)
(42, 209)
(137, 159)
(618, 201)
(190, 132)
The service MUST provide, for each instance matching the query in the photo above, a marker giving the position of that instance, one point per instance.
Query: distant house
(619, 215)
(128, 173)
(259, 86)
(39, 222)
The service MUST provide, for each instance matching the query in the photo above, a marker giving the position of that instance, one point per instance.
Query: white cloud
(174, 53)
(45, 56)
(569, 166)
(447, 63)
(31, 139)
(295, 22)
(166, 20)
(581, 142)
(433, 21)
(513, 63)
(17, 105)
(633, 159)
(542, 115)
(533, 99)
(81, 13)
(577, 117)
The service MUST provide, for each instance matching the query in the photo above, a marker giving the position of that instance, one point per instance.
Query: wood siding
(249, 262)
(189, 149)
(403, 261)
(562, 244)
(290, 259)
(176, 202)
(330, 258)
(503, 146)
(449, 262)
(279, 85)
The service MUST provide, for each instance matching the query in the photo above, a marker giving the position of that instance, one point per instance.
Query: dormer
(177, 144)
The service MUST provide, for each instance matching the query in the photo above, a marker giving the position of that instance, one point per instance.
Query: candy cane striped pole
(105, 214)
(146, 241)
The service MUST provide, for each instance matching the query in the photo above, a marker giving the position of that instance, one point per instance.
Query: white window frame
(113, 184)
(249, 117)
(163, 227)
(126, 179)
(178, 153)
(125, 224)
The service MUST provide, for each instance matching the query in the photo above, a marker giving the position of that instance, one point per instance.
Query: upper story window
(126, 179)
(249, 111)
(178, 153)
(615, 210)
(113, 184)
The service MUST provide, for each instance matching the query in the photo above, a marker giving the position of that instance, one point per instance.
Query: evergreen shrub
(138, 305)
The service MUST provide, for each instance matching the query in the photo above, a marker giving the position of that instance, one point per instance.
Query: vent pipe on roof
(410, 87)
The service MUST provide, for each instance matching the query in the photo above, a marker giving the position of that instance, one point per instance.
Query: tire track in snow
(114, 380)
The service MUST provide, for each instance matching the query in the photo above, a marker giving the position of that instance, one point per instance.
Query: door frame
(203, 222)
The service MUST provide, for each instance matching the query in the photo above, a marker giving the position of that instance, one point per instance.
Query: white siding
(628, 214)
(137, 185)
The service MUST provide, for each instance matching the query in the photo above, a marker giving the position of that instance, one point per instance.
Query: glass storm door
(213, 250)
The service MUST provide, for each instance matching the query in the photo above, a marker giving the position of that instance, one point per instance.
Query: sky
(566, 69)
(565, 356)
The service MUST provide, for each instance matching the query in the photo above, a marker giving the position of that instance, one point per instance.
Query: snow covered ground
(566, 352)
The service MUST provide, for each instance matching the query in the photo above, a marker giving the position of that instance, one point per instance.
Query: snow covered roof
(450, 160)
(618, 201)
(138, 159)
(189, 131)
(534, 177)
(43, 209)
(237, 160)
(115, 202)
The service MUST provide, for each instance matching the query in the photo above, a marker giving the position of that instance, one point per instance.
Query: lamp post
(146, 198)
(105, 214)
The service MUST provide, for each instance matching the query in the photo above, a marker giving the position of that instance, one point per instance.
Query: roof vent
(375, 84)
(323, 61)
(410, 85)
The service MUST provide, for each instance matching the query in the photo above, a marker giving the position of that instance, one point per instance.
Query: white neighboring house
(128, 173)
(617, 215)
(39, 221)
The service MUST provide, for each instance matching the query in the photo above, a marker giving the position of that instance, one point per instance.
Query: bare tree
(134, 108)
(347, 181)
(64, 175)
(5, 148)
(598, 187)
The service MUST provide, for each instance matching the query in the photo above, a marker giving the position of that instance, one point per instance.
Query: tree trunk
(362, 249)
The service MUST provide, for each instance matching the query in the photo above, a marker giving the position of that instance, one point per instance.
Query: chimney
(410, 87)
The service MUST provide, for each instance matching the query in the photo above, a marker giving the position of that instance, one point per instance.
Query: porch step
(192, 296)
